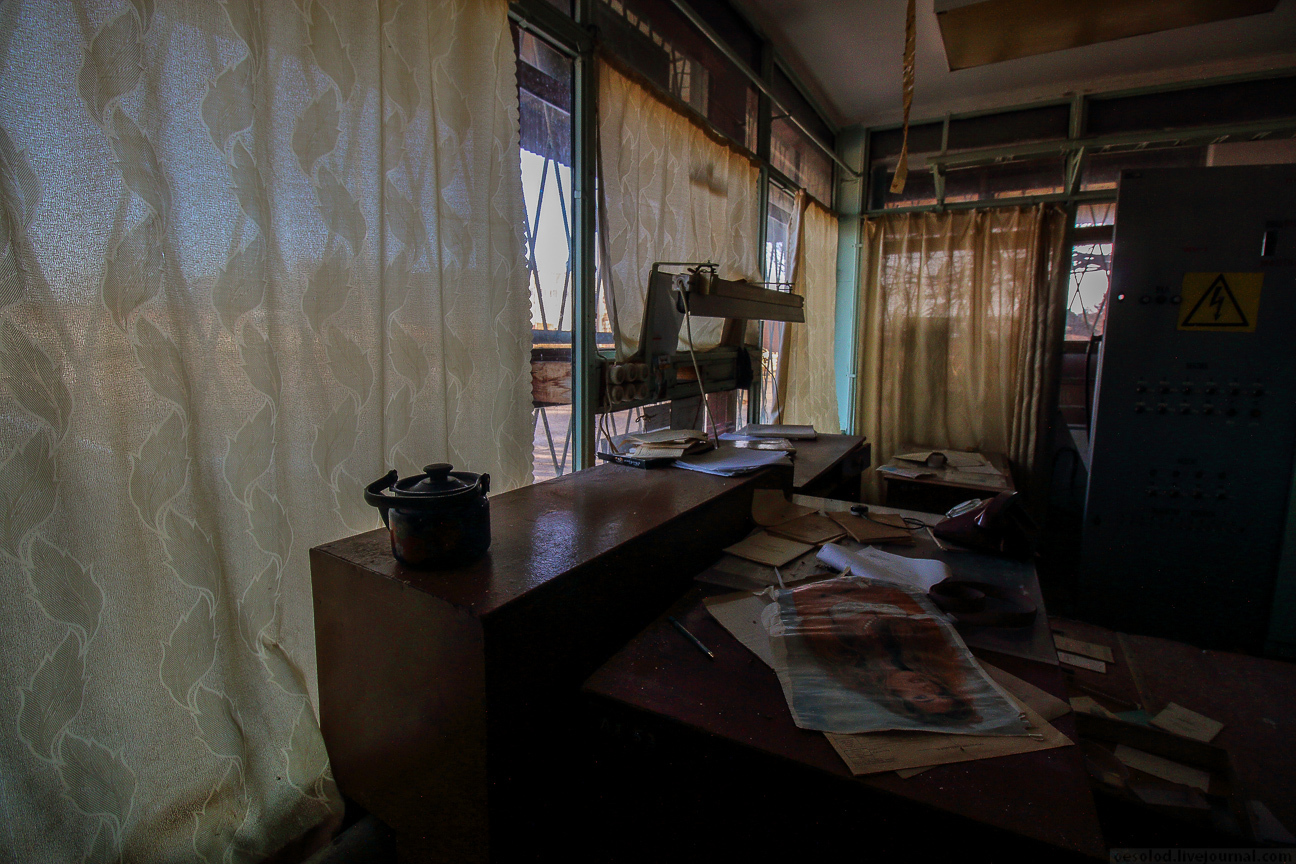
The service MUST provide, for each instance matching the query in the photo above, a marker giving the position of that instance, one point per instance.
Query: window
(545, 94)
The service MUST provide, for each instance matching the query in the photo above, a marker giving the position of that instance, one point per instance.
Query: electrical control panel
(1194, 425)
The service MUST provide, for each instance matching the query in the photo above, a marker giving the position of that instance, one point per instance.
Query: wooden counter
(446, 698)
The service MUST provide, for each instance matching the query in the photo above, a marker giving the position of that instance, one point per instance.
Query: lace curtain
(668, 192)
(962, 322)
(251, 255)
(807, 378)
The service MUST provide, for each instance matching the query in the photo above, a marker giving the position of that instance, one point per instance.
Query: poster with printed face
(861, 655)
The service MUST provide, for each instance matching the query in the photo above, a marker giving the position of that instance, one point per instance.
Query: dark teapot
(438, 520)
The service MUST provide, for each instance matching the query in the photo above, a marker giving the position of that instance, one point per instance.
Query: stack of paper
(729, 461)
(769, 430)
(660, 444)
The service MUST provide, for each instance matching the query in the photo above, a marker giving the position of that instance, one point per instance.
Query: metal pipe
(741, 65)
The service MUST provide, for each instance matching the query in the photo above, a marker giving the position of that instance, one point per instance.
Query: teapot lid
(436, 481)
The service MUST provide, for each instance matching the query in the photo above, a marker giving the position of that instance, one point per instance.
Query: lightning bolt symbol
(1217, 301)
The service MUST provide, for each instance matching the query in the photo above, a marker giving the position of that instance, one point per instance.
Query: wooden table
(1254, 698)
(944, 489)
(716, 740)
(830, 466)
(447, 699)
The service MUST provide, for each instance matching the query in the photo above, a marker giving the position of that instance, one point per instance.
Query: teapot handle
(373, 493)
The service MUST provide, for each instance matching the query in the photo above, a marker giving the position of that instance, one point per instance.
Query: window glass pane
(1090, 270)
(655, 40)
(544, 105)
(778, 229)
(803, 161)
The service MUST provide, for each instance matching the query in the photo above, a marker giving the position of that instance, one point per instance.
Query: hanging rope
(902, 167)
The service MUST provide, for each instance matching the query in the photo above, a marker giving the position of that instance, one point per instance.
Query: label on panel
(1220, 301)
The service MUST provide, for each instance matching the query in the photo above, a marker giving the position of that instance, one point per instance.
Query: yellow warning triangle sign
(1220, 301)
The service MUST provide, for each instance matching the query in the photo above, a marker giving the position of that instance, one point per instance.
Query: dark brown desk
(695, 713)
(830, 466)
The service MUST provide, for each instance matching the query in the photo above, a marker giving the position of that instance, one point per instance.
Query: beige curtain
(807, 379)
(668, 192)
(961, 317)
(251, 255)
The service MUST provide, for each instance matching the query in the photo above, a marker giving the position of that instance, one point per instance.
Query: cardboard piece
(1169, 796)
(769, 508)
(1087, 705)
(811, 528)
(1181, 721)
(1084, 649)
(1159, 766)
(1044, 703)
(1082, 662)
(877, 528)
(768, 549)
(874, 752)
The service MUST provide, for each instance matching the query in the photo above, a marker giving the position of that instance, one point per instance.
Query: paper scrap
(1159, 766)
(769, 507)
(1045, 704)
(916, 573)
(1267, 826)
(1084, 649)
(1171, 796)
(1182, 721)
(767, 549)
(740, 614)
(811, 528)
(874, 752)
(1082, 662)
(876, 528)
(1087, 705)
(906, 773)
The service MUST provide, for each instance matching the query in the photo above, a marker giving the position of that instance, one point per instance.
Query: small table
(715, 739)
(945, 487)
(830, 466)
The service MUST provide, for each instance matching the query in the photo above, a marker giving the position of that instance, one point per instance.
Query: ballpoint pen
(689, 636)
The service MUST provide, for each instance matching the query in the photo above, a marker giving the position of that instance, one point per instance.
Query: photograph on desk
(857, 655)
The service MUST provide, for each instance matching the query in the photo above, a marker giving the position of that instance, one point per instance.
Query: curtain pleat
(668, 192)
(252, 254)
(961, 319)
(807, 379)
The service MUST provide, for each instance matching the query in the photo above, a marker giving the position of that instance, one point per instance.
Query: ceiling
(848, 54)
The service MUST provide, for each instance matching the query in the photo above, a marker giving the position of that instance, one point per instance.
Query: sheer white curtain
(807, 378)
(962, 317)
(668, 192)
(251, 254)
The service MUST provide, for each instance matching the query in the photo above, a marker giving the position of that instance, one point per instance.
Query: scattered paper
(874, 752)
(743, 575)
(1181, 721)
(768, 549)
(769, 507)
(877, 528)
(981, 469)
(731, 461)
(769, 430)
(1172, 796)
(1267, 826)
(917, 573)
(667, 436)
(908, 473)
(1159, 766)
(1084, 649)
(740, 614)
(964, 459)
(1086, 705)
(1044, 703)
(811, 528)
(1082, 662)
